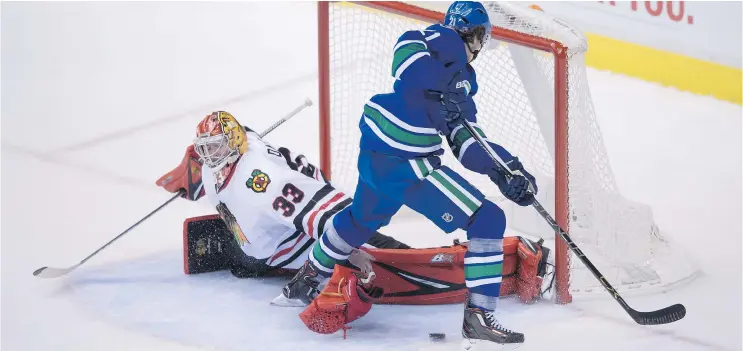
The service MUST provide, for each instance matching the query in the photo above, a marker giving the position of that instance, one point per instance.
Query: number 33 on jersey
(271, 199)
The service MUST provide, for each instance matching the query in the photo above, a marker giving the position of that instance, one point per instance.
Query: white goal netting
(516, 108)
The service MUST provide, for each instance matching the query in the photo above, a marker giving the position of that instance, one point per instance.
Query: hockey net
(534, 100)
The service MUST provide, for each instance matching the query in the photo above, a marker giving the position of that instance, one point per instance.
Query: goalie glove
(348, 296)
(186, 177)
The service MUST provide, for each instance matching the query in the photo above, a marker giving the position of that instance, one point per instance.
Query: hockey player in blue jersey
(401, 141)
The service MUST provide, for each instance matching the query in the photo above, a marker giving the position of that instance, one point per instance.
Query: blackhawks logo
(231, 222)
(259, 181)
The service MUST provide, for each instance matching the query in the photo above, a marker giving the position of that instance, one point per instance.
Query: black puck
(436, 336)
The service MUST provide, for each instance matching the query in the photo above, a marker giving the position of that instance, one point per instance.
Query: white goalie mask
(220, 140)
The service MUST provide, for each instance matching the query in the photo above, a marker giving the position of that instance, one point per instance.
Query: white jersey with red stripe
(274, 203)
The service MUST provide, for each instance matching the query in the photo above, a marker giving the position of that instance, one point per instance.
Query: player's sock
(483, 266)
(329, 250)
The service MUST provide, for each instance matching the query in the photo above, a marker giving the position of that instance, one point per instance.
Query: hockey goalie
(272, 205)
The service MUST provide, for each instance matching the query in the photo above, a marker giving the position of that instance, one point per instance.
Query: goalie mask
(220, 140)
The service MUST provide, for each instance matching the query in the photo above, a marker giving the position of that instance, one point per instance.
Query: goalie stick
(666, 315)
(51, 272)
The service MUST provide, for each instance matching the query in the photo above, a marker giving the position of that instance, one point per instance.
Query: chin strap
(474, 53)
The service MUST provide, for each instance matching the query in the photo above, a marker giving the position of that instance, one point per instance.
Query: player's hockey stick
(51, 272)
(663, 316)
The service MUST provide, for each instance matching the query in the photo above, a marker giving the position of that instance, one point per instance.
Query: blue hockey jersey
(402, 123)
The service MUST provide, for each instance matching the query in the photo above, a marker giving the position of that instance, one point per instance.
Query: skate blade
(484, 345)
(283, 301)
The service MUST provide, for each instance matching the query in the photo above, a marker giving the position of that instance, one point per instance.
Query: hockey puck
(436, 336)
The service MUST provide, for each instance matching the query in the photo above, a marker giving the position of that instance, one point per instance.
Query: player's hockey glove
(515, 165)
(186, 177)
(516, 190)
(449, 109)
(451, 105)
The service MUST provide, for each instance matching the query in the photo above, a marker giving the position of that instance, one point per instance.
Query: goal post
(533, 99)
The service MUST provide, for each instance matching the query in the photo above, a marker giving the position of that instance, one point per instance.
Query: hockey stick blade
(666, 315)
(51, 272)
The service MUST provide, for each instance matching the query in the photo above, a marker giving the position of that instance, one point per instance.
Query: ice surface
(100, 99)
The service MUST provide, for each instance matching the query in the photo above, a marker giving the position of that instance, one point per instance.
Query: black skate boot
(301, 290)
(481, 328)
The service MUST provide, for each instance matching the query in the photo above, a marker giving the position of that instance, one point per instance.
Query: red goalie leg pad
(433, 276)
(430, 276)
(343, 300)
(529, 283)
(509, 282)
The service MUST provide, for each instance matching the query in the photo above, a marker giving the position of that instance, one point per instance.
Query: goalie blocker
(407, 276)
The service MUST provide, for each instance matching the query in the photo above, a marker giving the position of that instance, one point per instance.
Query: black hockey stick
(51, 272)
(666, 315)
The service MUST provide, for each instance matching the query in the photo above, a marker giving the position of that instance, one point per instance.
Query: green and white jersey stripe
(405, 53)
(421, 167)
(467, 202)
(461, 139)
(483, 271)
(487, 259)
(398, 134)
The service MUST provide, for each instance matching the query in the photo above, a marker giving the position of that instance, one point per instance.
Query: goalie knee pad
(347, 297)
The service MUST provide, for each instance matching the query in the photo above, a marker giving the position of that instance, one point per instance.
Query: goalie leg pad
(206, 245)
(346, 298)
(210, 246)
(531, 269)
(430, 276)
(509, 281)
(434, 276)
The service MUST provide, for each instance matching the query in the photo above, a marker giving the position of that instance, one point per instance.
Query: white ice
(100, 99)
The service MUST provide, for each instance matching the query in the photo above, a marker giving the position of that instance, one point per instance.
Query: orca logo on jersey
(466, 85)
(259, 181)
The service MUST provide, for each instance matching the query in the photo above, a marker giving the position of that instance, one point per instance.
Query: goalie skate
(301, 290)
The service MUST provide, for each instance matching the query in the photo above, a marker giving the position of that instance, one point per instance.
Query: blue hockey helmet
(470, 20)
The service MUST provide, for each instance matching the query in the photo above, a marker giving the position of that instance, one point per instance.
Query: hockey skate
(481, 331)
(301, 290)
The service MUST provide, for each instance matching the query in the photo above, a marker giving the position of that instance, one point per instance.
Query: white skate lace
(494, 323)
